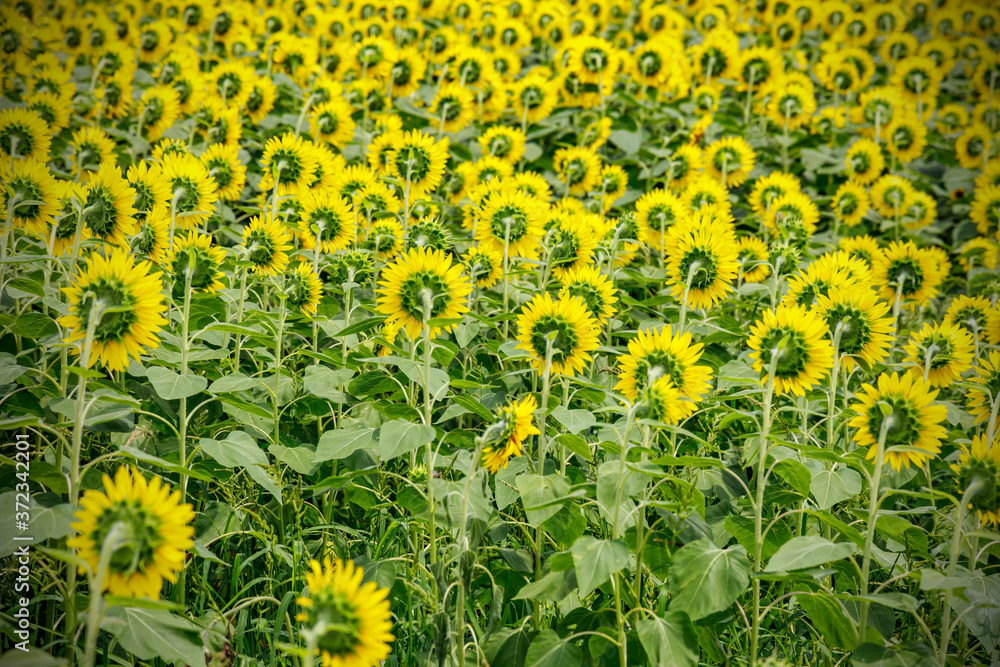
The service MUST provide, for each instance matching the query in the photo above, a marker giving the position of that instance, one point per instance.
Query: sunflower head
(791, 340)
(506, 437)
(979, 464)
(484, 265)
(267, 245)
(194, 263)
(423, 285)
(560, 330)
(303, 289)
(142, 524)
(349, 621)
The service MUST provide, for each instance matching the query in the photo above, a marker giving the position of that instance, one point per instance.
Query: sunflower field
(511, 333)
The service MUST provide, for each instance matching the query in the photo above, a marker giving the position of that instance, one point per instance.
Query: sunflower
(658, 210)
(730, 160)
(906, 137)
(563, 325)
(865, 161)
(850, 203)
(156, 110)
(418, 162)
(225, 168)
(986, 210)
(662, 354)
(815, 280)
(142, 524)
(423, 285)
(452, 108)
(261, 100)
(215, 123)
(974, 147)
(126, 298)
(793, 216)
(332, 122)
(108, 210)
(571, 246)
(409, 66)
(704, 259)
(23, 134)
(91, 148)
(685, 165)
(533, 98)
(980, 461)
(902, 407)
(940, 353)
(327, 216)
(789, 103)
(865, 329)
(981, 400)
(511, 223)
(428, 233)
(484, 265)
(903, 267)
(793, 338)
(194, 255)
(267, 245)
(979, 251)
(717, 57)
(34, 189)
(578, 168)
(151, 237)
(232, 82)
(706, 193)
(192, 188)
(288, 164)
(376, 200)
(50, 108)
(66, 223)
(302, 289)
(753, 255)
(151, 193)
(514, 425)
(503, 143)
(862, 247)
(349, 622)
(612, 183)
(768, 188)
(384, 237)
(596, 290)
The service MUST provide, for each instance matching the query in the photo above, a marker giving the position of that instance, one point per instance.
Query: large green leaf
(342, 442)
(670, 641)
(44, 523)
(548, 649)
(831, 487)
(829, 619)
(909, 654)
(155, 633)
(170, 385)
(33, 657)
(596, 560)
(327, 382)
(808, 551)
(241, 450)
(400, 437)
(541, 495)
(574, 420)
(705, 579)
(742, 528)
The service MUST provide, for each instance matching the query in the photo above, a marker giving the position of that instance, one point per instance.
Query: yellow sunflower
(563, 326)
(194, 256)
(329, 217)
(704, 259)
(225, 168)
(193, 190)
(939, 353)
(418, 162)
(730, 160)
(303, 289)
(34, 189)
(975, 314)
(156, 111)
(108, 210)
(794, 339)
(912, 272)
(420, 286)
(571, 245)
(453, 107)
(662, 354)
(151, 193)
(23, 134)
(142, 524)
(332, 122)
(267, 245)
(865, 161)
(511, 221)
(503, 143)
(484, 265)
(753, 257)
(515, 424)
(902, 405)
(288, 164)
(348, 620)
(92, 147)
(861, 321)
(151, 237)
(596, 290)
(980, 461)
(128, 303)
(850, 203)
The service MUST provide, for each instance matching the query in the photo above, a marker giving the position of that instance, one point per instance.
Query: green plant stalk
(428, 406)
(182, 415)
(956, 548)
(873, 504)
(758, 510)
(639, 528)
(94, 612)
(543, 411)
(462, 539)
(692, 270)
(278, 335)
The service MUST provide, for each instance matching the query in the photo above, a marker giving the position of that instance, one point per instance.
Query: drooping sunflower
(939, 353)
(891, 196)
(23, 134)
(862, 322)
(771, 187)
(863, 247)
(151, 193)
(328, 217)
(302, 289)
(514, 425)
(730, 160)
(703, 260)
(850, 203)
(384, 237)
(911, 271)
(33, 203)
(267, 245)
(596, 290)
(981, 400)
(288, 164)
(578, 168)
(794, 338)
(192, 189)
(753, 257)
(66, 223)
(986, 210)
(976, 315)
(562, 324)
(511, 221)
(418, 162)
(145, 527)
(484, 265)
(226, 170)
(453, 107)
(571, 245)
(350, 620)
(903, 406)
(657, 354)
(423, 285)
(194, 255)
(980, 462)
(108, 210)
(865, 161)
(126, 298)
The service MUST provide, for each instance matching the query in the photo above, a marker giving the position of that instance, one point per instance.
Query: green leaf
(705, 579)
(171, 386)
(10, 371)
(596, 560)
(575, 444)
(542, 495)
(670, 641)
(795, 474)
(548, 649)
(155, 633)
(553, 587)
(829, 619)
(34, 326)
(399, 437)
(241, 450)
(909, 654)
(33, 657)
(342, 442)
(327, 382)
(44, 523)
(830, 487)
(300, 459)
(574, 420)
(507, 647)
(808, 551)
(742, 528)
(472, 405)
(360, 327)
(233, 382)
(145, 457)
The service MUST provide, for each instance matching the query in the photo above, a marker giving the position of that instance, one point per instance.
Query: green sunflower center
(287, 164)
(17, 140)
(190, 196)
(903, 426)
(421, 287)
(861, 162)
(940, 351)
(220, 169)
(590, 295)
(510, 223)
(203, 269)
(138, 539)
(342, 624)
(100, 211)
(704, 263)
(848, 203)
(427, 234)
(791, 360)
(450, 108)
(855, 328)
(501, 145)
(26, 190)
(565, 249)
(656, 364)
(650, 63)
(261, 248)
(112, 327)
(906, 272)
(152, 111)
(560, 331)
(415, 161)
(144, 242)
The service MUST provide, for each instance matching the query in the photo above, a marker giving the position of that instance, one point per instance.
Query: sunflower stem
(278, 335)
(428, 301)
(758, 508)
(873, 504)
(956, 548)
(97, 579)
(182, 415)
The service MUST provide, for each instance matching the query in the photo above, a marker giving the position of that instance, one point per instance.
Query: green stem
(873, 504)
